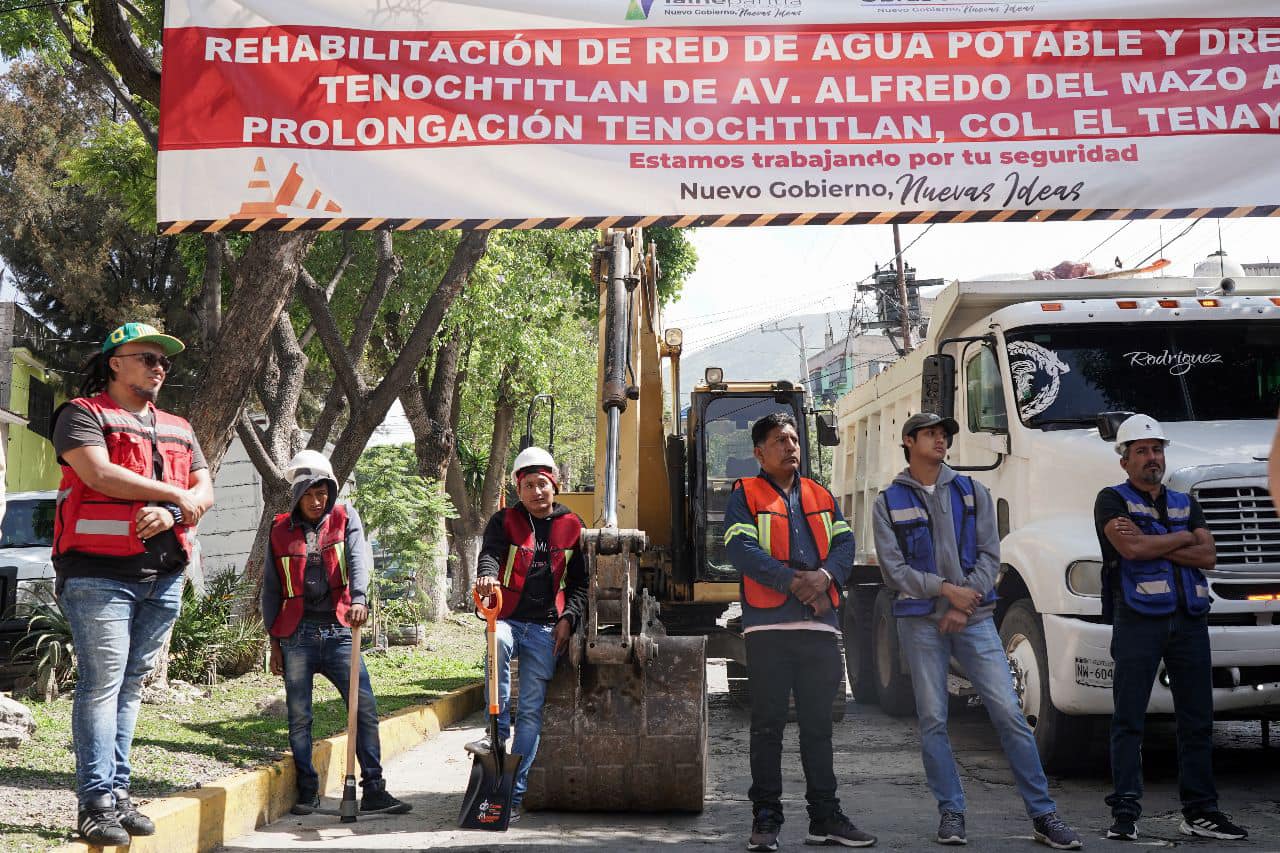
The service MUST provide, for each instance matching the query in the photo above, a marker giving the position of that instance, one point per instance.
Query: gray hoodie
(901, 578)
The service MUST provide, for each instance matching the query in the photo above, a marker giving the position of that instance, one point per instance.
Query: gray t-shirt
(76, 427)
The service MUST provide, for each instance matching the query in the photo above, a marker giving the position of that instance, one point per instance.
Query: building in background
(29, 393)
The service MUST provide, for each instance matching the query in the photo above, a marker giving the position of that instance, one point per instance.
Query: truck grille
(1244, 525)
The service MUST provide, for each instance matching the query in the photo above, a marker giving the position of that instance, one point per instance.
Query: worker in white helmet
(1154, 545)
(530, 551)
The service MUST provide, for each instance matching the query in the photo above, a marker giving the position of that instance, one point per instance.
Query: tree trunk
(438, 583)
(466, 531)
(264, 280)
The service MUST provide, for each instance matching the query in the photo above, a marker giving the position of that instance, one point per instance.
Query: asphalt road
(882, 788)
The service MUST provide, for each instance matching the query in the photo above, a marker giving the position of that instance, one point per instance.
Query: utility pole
(902, 292)
(804, 352)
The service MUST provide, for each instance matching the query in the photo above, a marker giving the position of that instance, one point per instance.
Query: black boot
(98, 823)
(133, 821)
(308, 802)
(376, 799)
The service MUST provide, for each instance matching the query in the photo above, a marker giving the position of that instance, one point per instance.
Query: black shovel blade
(487, 803)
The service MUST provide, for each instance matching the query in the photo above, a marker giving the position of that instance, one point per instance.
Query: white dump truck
(1039, 374)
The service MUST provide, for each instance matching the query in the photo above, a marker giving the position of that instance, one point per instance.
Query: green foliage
(677, 258)
(216, 626)
(47, 644)
(401, 509)
(116, 164)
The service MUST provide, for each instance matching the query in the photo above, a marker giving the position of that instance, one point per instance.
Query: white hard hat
(309, 465)
(535, 457)
(1136, 428)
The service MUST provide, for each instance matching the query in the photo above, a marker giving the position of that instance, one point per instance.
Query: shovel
(349, 808)
(487, 803)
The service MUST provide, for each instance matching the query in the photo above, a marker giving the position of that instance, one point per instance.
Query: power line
(4, 10)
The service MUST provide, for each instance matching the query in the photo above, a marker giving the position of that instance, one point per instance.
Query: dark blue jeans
(326, 650)
(1138, 643)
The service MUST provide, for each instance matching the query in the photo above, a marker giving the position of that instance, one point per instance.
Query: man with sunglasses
(134, 485)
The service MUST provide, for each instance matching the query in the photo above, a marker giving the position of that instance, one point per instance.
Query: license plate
(1094, 673)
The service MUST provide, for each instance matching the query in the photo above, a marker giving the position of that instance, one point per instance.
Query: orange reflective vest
(90, 522)
(773, 531)
(289, 547)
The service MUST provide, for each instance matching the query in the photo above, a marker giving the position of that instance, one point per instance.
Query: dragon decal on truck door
(1036, 377)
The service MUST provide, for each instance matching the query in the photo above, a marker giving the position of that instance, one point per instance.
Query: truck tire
(1061, 738)
(857, 622)
(893, 683)
(739, 689)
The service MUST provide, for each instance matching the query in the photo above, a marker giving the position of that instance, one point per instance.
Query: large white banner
(279, 114)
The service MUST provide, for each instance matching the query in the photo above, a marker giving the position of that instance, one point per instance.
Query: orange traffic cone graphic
(295, 193)
(259, 202)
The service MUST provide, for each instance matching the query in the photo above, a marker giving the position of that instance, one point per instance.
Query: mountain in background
(762, 355)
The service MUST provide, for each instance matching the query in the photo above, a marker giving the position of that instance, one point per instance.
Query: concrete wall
(226, 533)
(32, 465)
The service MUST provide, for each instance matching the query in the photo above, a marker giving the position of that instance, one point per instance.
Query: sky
(749, 276)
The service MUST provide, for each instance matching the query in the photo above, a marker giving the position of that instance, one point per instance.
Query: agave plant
(47, 645)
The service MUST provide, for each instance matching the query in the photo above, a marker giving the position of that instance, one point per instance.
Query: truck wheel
(858, 621)
(739, 689)
(1061, 738)
(893, 685)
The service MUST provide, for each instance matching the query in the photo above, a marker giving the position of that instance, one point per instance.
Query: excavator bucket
(625, 737)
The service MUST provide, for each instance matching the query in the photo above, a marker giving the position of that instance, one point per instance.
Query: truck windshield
(1219, 370)
(28, 524)
(727, 456)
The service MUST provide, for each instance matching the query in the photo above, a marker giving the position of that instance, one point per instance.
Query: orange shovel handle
(490, 613)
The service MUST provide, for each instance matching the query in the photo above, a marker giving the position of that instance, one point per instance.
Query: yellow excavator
(625, 721)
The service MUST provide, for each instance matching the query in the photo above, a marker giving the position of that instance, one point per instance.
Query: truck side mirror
(826, 424)
(1109, 424)
(938, 385)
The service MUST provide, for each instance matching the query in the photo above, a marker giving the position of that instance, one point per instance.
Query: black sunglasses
(150, 359)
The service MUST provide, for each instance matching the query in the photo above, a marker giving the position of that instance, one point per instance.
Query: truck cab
(1038, 374)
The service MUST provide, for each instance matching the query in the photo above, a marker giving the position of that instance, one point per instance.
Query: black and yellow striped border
(738, 220)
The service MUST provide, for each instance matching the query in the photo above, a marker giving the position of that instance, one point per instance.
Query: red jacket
(289, 547)
(90, 522)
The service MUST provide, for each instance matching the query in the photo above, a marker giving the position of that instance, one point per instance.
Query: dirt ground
(882, 787)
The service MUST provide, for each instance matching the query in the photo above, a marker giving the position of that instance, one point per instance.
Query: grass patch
(238, 725)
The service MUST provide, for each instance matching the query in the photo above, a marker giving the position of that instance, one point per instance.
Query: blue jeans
(1137, 644)
(534, 644)
(326, 650)
(981, 656)
(118, 629)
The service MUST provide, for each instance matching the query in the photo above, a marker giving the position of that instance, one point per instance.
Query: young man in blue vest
(1154, 544)
(531, 552)
(786, 536)
(939, 550)
(314, 585)
(134, 485)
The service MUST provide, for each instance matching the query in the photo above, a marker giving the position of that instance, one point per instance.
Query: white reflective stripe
(911, 513)
(1140, 509)
(1179, 512)
(968, 500)
(1153, 588)
(89, 527)
(1202, 591)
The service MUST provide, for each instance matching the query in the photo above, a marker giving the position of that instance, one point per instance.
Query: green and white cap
(143, 333)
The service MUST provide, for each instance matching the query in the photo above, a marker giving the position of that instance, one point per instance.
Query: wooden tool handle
(353, 700)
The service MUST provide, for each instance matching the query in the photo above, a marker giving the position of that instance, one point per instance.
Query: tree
(405, 513)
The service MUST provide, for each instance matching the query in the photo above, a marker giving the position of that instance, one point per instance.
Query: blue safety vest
(910, 519)
(1151, 586)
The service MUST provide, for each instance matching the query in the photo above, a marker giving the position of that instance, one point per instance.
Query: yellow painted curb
(199, 820)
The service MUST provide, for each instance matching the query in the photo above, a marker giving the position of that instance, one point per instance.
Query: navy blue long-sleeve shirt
(743, 549)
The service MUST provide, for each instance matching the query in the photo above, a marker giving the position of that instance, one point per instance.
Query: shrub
(217, 625)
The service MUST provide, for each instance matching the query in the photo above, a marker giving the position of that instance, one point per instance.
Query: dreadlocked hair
(97, 373)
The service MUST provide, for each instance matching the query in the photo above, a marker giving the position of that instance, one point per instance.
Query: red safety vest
(773, 529)
(89, 522)
(566, 530)
(289, 547)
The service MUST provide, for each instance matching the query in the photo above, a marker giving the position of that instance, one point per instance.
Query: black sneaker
(951, 828)
(99, 824)
(306, 804)
(1053, 831)
(1212, 825)
(765, 827)
(838, 829)
(378, 800)
(1123, 828)
(133, 821)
